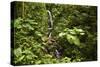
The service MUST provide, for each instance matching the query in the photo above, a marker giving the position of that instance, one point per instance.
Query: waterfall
(57, 53)
(50, 28)
(50, 23)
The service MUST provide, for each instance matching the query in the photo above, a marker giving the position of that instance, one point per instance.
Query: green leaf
(18, 52)
(78, 30)
(17, 23)
(20, 59)
(72, 32)
(44, 38)
(73, 39)
(27, 51)
(38, 33)
(66, 59)
(29, 57)
(70, 38)
(82, 33)
(77, 41)
(38, 62)
(61, 34)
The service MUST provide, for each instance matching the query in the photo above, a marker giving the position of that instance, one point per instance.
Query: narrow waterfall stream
(50, 28)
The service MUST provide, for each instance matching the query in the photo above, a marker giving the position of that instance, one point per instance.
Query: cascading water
(50, 23)
(50, 28)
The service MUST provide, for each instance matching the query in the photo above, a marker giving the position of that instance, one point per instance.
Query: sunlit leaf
(38, 33)
(18, 52)
(73, 39)
(61, 34)
(20, 59)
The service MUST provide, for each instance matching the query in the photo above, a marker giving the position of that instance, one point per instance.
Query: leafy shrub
(74, 34)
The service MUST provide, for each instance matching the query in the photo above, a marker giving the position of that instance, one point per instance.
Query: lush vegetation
(74, 35)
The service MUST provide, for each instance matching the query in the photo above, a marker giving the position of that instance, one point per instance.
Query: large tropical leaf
(73, 39)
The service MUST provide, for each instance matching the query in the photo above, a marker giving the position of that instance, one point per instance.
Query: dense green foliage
(74, 33)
